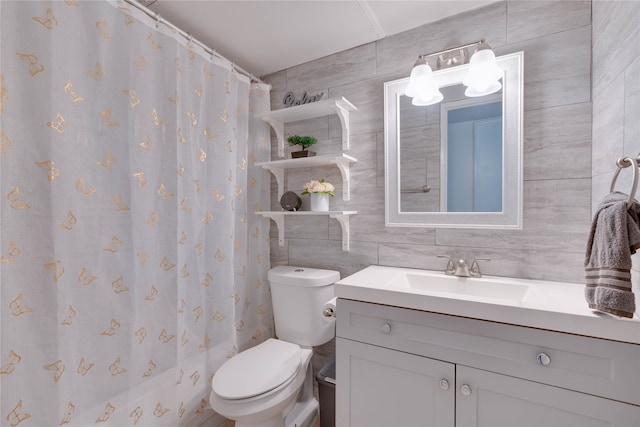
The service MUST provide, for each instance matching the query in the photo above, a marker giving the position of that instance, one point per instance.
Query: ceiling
(266, 36)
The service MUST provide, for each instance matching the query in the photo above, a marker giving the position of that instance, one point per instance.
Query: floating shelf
(341, 216)
(342, 161)
(339, 106)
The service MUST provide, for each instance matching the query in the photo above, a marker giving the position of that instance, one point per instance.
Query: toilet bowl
(271, 384)
(262, 385)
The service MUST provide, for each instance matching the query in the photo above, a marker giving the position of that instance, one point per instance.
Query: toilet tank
(297, 296)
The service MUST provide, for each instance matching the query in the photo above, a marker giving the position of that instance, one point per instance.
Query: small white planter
(319, 202)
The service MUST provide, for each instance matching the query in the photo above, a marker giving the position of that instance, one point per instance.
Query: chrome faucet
(457, 266)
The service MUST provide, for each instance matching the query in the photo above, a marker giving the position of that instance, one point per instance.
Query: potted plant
(304, 142)
(319, 191)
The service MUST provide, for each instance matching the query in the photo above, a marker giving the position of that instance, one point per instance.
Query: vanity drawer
(591, 365)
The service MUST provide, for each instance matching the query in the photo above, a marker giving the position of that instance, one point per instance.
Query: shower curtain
(128, 245)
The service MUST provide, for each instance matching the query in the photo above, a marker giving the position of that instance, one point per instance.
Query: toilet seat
(257, 370)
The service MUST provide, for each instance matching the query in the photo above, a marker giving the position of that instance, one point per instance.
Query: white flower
(319, 187)
(327, 187)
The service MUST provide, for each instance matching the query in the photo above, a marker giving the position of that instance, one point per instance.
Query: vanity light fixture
(422, 86)
(482, 78)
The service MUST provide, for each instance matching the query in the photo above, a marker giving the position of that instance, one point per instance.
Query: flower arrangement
(319, 187)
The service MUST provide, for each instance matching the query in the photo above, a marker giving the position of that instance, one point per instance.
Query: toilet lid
(257, 370)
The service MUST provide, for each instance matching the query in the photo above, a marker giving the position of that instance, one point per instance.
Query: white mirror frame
(512, 176)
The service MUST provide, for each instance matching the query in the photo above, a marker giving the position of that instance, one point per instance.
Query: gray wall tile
(279, 254)
(506, 263)
(318, 127)
(608, 126)
(345, 67)
(369, 227)
(413, 255)
(278, 82)
(381, 158)
(557, 142)
(365, 171)
(366, 95)
(313, 227)
(556, 217)
(616, 87)
(530, 264)
(600, 185)
(632, 109)
(328, 254)
(551, 17)
(557, 68)
(616, 39)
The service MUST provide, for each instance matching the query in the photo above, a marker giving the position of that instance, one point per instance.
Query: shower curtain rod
(191, 39)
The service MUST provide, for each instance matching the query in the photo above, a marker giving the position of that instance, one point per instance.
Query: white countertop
(556, 306)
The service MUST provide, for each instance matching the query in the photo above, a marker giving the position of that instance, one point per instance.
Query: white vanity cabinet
(406, 368)
(383, 387)
(491, 400)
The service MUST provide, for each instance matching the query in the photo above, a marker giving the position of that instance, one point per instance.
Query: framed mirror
(458, 163)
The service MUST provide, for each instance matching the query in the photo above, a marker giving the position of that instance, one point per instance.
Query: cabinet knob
(444, 384)
(543, 359)
(386, 328)
(465, 389)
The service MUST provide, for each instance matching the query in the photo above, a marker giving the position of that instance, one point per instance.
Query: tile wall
(616, 99)
(616, 91)
(556, 39)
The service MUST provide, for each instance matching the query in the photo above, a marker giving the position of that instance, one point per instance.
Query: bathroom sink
(461, 286)
(550, 305)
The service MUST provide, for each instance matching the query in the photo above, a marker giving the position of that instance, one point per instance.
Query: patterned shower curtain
(129, 250)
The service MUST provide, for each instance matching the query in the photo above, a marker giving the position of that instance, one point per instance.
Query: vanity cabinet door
(382, 387)
(486, 399)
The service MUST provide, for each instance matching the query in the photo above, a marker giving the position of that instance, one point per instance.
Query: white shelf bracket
(345, 171)
(278, 173)
(343, 115)
(341, 216)
(344, 223)
(278, 218)
(278, 127)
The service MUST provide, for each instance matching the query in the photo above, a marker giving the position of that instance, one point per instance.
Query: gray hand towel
(614, 237)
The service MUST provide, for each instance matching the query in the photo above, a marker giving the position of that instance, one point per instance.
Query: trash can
(327, 394)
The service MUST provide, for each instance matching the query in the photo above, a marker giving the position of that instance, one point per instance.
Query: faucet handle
(451, 268)
(475, 267)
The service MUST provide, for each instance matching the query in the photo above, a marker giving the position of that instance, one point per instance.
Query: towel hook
(622, 163)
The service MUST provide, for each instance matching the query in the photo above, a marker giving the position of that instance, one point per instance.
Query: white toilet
(271, 384)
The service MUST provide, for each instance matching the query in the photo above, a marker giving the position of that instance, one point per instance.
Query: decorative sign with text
(290, 99)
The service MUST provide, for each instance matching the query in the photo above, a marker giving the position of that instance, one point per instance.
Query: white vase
(319, 202)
